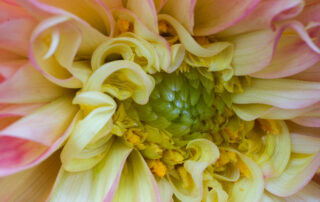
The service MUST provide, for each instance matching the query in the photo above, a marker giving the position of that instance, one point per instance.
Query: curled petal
(141, 83)
(138, 184)
(248, 189)
(23, 144)
(189, 42)
(27, 85)
(216, 15)
(283, 93)
(205, 153)
(87, 129)
(276, 155)
(294, 53)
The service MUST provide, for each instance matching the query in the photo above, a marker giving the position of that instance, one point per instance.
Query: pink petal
(20, 143)
(311, 192)
(159, 4)
(212, 16)
(15, 35)
(6, 56)
(9, 11)
(310, 74)
(308, 121)
(311, 12)
(9, 110)
(92, 12)
(27, 85)
(265, 15)
(182, 11)
(7, 69)
(293, 53)
(33, 184)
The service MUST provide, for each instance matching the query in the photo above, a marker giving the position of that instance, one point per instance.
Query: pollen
(270, 126)
(124, 26)
(244, 170)
(157, 167)
(202, 40)
(132, 137)
(225, 158)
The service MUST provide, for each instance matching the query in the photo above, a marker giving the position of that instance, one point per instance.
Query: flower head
(159, 100)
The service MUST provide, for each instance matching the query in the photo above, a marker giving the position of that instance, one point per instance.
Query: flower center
(183, 103)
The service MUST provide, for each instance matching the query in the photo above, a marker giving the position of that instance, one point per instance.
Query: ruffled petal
(23, 144)
(248, 189)
(216, 15)
(283, 93)
(294, 53)
(137, 182)
(92, 125)
(33, 184)
(27, 85)
(141, 83)
(205, 153)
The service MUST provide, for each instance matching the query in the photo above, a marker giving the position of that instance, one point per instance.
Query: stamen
(157, 167)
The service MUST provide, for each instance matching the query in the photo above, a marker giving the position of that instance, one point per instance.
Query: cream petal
(182, 11)
(96, 184)
(165, 189)
(33, 184)
(311, 192)
(276, 155)
(146, 12)
(248, 189)
(205, 153)
(137, 182)
(283, 93)
(298, 173)
(143, 82)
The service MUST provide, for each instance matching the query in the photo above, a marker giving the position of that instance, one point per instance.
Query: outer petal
(298, 173)
(137, 182)
(93, 12)
(265, 15)
(311, 192)
(23, 144)
(310, 74)
(33, 184)
(212, 16)
(27, 85)
(283, 93)
(294, 53)
(15, 35)
(93, 184)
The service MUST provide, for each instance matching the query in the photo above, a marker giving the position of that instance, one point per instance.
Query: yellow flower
(205, 100)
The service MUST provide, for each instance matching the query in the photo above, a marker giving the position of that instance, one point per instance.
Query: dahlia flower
(140, 100)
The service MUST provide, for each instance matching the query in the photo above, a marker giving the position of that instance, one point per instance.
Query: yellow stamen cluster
(269, 126)
(124, 26)
(157, 167)
(225, 158)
